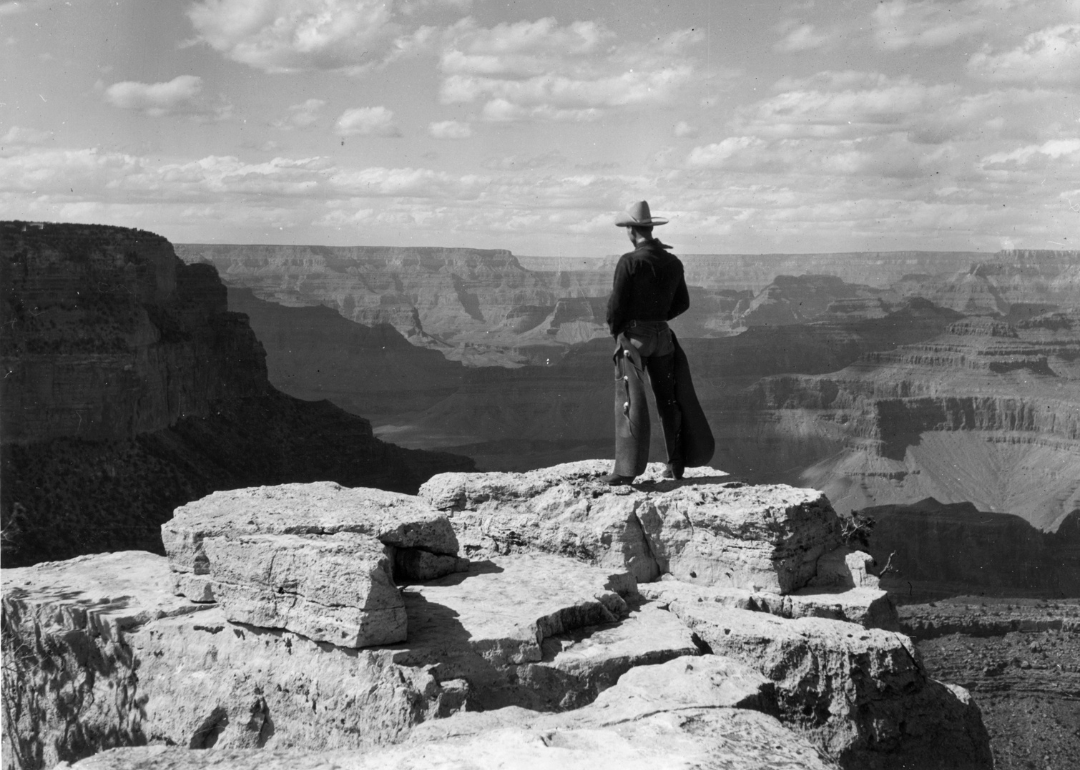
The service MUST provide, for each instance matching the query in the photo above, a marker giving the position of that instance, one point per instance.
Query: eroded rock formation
(129, 389)
(538, 645)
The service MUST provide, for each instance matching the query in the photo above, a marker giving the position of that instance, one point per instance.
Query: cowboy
(648, 290)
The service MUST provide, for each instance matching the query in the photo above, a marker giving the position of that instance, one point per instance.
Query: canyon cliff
(130, 388)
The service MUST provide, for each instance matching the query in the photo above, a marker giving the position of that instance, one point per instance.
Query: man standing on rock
(648, 291)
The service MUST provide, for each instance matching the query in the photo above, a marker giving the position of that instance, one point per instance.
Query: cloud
(1060, 151)
(842, 104)
(291, 35)
(367, 121)
(505, 111)
(413, 7)
(1051, 55)
(303, 115)
(803, 38)
(19, 136)
(900, 24)
(179, 96)
(684, 129)
(552, 159)
(407, 182)
(450, 129)
(542, 71)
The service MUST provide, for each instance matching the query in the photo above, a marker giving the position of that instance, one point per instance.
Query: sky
(755, 127)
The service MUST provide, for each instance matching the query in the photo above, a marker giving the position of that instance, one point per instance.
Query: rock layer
(728, 534)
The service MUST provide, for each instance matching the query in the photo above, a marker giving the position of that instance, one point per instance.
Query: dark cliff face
(130, 389)
(315, 353)
(108, 335)
(939, 549)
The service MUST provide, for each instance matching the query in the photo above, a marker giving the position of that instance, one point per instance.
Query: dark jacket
(648, 286)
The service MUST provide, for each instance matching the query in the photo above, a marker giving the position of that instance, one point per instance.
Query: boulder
(317, 559)
(861, 693)
(337, 589)
(702, 529)
(315, 510)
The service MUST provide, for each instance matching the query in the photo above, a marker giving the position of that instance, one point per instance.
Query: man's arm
(617, 302)
(680, 303)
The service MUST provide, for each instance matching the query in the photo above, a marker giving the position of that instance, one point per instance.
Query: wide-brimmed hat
(638, 215)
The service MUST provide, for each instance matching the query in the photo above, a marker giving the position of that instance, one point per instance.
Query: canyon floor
(1020, 659)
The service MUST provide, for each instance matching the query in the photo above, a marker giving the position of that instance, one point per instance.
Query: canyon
(896, 378)
(932, 397)
(129, 388)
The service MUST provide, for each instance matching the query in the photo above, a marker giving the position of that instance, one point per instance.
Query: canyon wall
(130, 389)
(936, 549)
(447, 299)
(108, 335)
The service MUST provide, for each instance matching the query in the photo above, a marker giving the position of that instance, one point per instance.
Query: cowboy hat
(638, 215)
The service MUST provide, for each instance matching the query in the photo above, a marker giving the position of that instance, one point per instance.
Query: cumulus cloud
(450, 129)
(1057, 150)
(367, 121)
(303, 115)
(290, 35)
(900, 24)
(838, 104)
(684, 129)
(179, 96)
(804, 37)
(1051, 55)
(407, 182)
(20, 136)
(542, 71)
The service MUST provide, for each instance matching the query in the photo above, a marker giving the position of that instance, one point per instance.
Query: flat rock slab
(503, 611)
(337, 589)
(580, 664)
(703, 529)
(102, 594)
(868, 607)
(688, 713)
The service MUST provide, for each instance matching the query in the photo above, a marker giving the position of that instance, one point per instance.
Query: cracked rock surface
(703, 529)
(547, 650)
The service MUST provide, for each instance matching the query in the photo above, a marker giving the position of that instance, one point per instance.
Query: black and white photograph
(486, 384)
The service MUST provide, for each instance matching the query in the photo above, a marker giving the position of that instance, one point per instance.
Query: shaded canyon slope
(129, 389)
(475, 305)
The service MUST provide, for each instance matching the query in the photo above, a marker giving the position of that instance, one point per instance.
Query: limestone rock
(321, 508)
(688, 713)
(869, 607)
(577, 665)
(845, 568)
(861, 692)
(336, 589)
(498, 615)
(701, 529)
(69, 683)
(317, 559)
